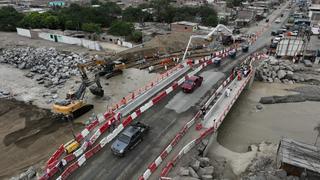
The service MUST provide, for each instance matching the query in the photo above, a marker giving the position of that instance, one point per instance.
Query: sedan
(191, 83)
(129, 138)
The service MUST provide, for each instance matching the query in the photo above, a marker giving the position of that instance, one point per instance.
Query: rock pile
(4, 94)
(30, 174)
(47, 66)
(273, 70)
(202, 168)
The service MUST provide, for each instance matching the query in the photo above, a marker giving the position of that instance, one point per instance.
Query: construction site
(218, 103)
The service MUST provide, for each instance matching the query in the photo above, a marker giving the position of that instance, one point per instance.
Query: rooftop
(186, 23)
(315, 7)
(245, 14)
(299, 154)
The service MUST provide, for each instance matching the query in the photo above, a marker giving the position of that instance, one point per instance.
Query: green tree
(233, 3)
(71, 25)
(33, 20)
(132, 14)
(212, 20)
(136, 36)
(95, 2)
(163, 10)
(121, 28)
(91, 27)
(9, 18)
(51, 22)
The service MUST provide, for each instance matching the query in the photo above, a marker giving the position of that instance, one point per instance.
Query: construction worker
(203, 111)
(123, 101)
(239, 75)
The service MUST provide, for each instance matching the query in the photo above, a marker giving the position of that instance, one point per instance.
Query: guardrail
(156, 163)
(165, 171)
(109, 116)
(69, 170)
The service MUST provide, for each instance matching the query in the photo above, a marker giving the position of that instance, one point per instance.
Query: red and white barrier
(53, 168)
(55, 156)
(165, 171)
(129, 119)
(154, 165)
(53, 161)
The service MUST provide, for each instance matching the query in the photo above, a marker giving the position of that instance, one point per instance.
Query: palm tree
(317, 128)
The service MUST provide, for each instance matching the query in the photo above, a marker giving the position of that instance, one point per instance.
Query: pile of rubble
(46, 65)
(4, 93)
(264, 165)
(203, 168)
(285, 71)
(29, 174)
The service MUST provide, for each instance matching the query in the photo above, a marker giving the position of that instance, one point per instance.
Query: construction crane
(74, 105)
(208, 37)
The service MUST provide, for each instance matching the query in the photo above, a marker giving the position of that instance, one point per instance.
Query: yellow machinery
(71, 146)
(74, 105)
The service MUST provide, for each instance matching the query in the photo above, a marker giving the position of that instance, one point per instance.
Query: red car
(191, 84)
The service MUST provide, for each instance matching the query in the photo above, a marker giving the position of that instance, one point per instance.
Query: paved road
(165, 123)
(166, 119)
(150, 93)
(182, 101)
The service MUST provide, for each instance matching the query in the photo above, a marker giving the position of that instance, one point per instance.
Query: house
(191, 2)
(184, 26)
(264, 4)
(56, 3)
(244, 17)
(299, 159)
(314, 14)
(111, 39)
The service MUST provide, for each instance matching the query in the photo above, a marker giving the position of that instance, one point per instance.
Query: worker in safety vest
(239, 75)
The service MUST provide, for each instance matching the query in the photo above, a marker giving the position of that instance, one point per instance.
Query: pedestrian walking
(228, 91)
(203, 111)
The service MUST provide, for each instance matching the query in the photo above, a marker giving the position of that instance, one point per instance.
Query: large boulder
(204, 161)
(281, 74)
(184, 171)
(307, 63)
(193, 173)
(276, 68)
(206, 177)
(206, 171)
(281, 173)
(195, 164)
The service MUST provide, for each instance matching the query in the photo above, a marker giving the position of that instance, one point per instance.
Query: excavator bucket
(97, 91)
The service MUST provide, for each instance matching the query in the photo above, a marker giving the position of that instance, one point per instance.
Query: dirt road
(28, 135)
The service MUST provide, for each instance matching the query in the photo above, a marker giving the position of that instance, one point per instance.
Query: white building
(314, 14)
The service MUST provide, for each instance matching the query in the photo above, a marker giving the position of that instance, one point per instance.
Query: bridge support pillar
(212, 138)
(249, 85)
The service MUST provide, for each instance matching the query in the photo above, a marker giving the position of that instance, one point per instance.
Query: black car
(274, 33)
(129, 138)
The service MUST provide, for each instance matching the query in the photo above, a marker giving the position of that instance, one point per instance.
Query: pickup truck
(191, 83)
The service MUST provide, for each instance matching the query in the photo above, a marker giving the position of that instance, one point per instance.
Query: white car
(278, 38)
(294, 33)
(278, 20)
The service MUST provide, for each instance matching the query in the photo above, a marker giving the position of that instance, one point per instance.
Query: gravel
(46, 65)
(285, 71)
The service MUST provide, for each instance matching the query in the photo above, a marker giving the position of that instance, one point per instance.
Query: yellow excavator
(74, 104)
